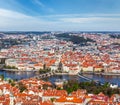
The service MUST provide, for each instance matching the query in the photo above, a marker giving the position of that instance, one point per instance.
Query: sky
(59, 15)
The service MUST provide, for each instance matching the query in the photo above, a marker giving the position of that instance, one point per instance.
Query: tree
(44, 70)
(81, 71)
(2, 77)
(53, 99)
(9, 67)
(21, 87)
(69, 90)
(12, 83)
(44, 66)
(102, 71)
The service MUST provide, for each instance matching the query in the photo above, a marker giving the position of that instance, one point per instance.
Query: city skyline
(59, 15)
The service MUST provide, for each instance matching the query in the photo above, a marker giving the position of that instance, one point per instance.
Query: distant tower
(60, 66)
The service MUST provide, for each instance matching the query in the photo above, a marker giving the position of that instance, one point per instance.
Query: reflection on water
(66, 77)
(25, 74)
(17, 75)
(101, 78)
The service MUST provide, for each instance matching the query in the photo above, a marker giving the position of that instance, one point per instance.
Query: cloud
(39, 3)
(77, 20)
(43, 6)
(89, 19)
(11, 20)
(15, 21)
(17, 5)
(11, 14)
(82, 15)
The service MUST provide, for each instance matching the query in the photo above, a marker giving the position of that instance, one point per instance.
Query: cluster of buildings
(39, 92)
(102, 55)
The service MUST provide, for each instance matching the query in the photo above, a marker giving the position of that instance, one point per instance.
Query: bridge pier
(45, 75)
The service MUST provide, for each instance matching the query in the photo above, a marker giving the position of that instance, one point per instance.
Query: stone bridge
(45, 75)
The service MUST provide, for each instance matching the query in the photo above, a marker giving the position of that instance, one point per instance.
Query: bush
(9, 67)
(91, 87)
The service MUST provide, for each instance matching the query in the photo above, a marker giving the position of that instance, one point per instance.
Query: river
(24, 75)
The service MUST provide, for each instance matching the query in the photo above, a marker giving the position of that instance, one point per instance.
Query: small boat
(113, 86)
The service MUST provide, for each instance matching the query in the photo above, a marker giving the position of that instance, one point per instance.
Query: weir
(90, 79)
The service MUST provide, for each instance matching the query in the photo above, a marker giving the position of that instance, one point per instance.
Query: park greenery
(91, 87)
(12, 82)
(70, 86)
(9, 67)
(44, 70)
(73, 38)
(6, 43)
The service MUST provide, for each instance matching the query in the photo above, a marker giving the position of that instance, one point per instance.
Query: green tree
(2, 77)
(21, 87)
(53, 99)
(44, 66)
(12, 83)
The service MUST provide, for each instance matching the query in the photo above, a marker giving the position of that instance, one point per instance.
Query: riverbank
(24, 75)
(100, 73)
(16, 70)
(95, 73)
(108, 74)
(61, 73)
(90, 73)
